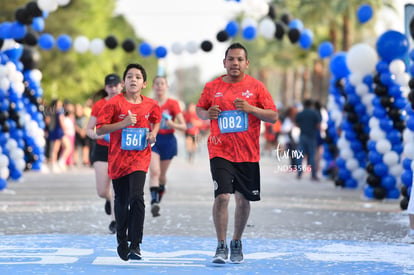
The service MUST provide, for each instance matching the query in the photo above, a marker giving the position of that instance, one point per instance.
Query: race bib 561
(134, 139)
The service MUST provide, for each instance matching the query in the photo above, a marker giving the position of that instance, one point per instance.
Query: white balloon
(402, 78)
(377, 134)
(4, 172)
(8, 44)
(81, 44)
(343, 143)
(47, 5)
(19, 87)
(362, 58)
(191, 47)
(396, 170)
(3, 71)
(20, 164)
(17, 154)
(352, 164)
(408, 136)
(267, 28)
(383, 146)
(346, 154)
(4, 83)
(391, 158)
(11, 144)
(356, 78)
(97, 46)
(177, 48)
(373, 122)
(409, 150)
(248, 21)
(397, 66)
(36, 75)
(63, 3)
(359, 174)
(361, 89)
(4, 161)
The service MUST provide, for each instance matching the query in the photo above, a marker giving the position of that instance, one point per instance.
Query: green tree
(76, 76)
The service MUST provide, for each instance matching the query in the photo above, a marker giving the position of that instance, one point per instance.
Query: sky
(166, 22)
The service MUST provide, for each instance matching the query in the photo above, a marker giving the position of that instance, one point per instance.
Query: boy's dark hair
(236, 45)
(136, 66)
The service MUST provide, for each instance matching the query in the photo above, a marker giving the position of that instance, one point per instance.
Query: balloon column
(408, 137)
(21, 118)
(387, 122)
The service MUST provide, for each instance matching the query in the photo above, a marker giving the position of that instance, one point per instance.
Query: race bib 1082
(233, 121)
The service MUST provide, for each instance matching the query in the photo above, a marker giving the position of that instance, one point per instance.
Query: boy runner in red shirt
(133, 121)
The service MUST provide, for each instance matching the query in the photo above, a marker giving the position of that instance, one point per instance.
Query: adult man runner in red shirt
(236, 103)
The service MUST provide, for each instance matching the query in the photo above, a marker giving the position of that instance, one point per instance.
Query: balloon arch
(369, 141)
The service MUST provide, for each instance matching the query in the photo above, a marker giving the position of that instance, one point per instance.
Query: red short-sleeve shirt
(239, 146)
(123, 162)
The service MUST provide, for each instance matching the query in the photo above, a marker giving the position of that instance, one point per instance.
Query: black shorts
(100, 153)
(229, 177)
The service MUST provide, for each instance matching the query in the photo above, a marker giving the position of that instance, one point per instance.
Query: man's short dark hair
(236, 45)
(136, 66)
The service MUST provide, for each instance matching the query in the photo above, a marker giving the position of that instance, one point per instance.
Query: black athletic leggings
(130, 207)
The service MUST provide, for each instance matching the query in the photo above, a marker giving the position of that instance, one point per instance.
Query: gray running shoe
(155, 209)
(222, 253)
(236, 254)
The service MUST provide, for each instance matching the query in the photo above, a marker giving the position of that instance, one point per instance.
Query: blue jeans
(307, 146)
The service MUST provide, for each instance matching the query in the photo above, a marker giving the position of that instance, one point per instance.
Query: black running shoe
(112, 227)
(155, 209)
(123, 250)
(108, 207)
(134, 252)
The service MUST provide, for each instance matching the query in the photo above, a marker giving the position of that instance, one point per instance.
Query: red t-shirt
(123, 162)
(96, 108)
(171, 108)
(239, 146)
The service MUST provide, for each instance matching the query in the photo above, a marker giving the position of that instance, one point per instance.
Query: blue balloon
(364, 13)
(296, 24)
(374, 157)
(393, 193)
(64, 42)
(306, 39)
(46, 41)
(232, 28)
(406, 163)
(325, 49)
(160, 52)
(386, 124)
(338, 65)
(407, 177)
(145, 49)
(410, 123)
(381, 169)
(5, 30)
(15, 53)
(351, 183)
(249, 33)
(3, 183)
(18, 30)
(344, 174)
(369, 192)
(392, 45)
(388, 182)
(38, 24)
